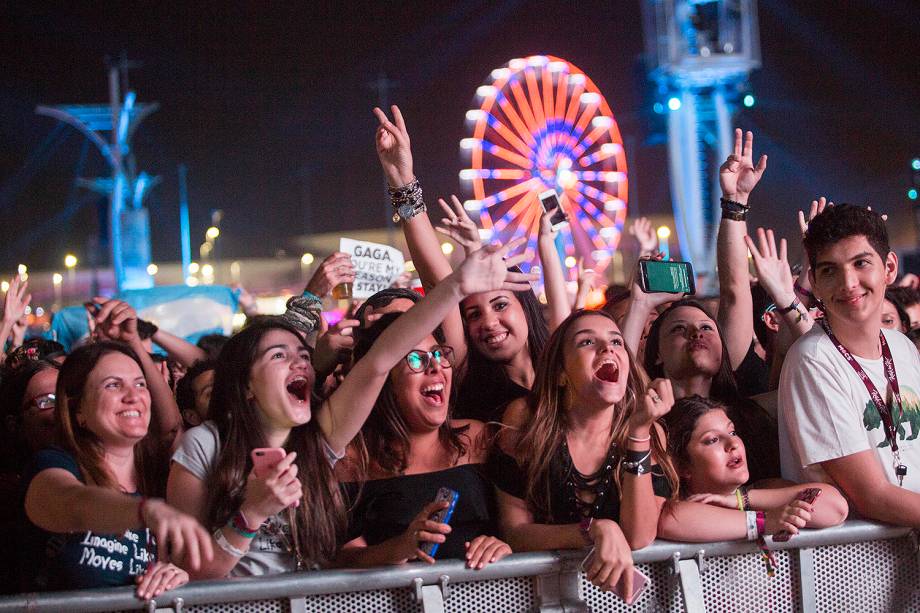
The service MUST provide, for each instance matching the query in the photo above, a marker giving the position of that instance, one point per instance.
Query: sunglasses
(419, 361)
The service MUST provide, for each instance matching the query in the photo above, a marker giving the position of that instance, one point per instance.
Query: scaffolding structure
(129, 223)
(700, 53)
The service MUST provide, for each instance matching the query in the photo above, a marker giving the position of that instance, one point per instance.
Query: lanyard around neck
(884, 411)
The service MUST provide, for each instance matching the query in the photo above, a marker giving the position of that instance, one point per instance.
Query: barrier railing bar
(807, 588)
(339, 581)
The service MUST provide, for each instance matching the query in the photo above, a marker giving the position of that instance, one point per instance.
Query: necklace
(597, 483)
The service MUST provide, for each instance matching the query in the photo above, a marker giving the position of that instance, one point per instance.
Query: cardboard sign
(376, 266)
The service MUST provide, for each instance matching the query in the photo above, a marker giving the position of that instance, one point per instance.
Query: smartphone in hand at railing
(807, 495)
(445, 494)
(640, 581)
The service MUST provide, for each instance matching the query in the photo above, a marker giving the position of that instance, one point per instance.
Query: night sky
(271, 108)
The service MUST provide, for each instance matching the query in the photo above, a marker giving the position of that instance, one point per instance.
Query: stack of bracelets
(756, 528)
(407, 201)
(733, 210)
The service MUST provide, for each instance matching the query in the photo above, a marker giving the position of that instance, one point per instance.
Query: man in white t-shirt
(830, 428)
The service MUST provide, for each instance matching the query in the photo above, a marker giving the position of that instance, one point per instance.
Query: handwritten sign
(376, 266)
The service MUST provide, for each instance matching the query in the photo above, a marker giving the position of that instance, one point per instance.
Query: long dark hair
(320, 518)
(150, 454)
(753, 422)
(680, 422)
(384, 438)
(481, 372)
(548, 419)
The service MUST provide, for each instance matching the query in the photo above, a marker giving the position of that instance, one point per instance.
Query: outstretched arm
(178, 348)
(737, 176)
(774, 275)
(394, 150)
(557, 298)
(343, 414)
(14, 307)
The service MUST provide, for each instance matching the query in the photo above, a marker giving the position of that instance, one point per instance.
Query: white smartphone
(640, 581)
(550, 200)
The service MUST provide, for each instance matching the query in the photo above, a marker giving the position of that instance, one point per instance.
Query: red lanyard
(884, 411)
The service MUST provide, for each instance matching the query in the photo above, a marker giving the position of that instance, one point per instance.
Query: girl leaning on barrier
(293, 516)
(714, 504)
(583, 462)
(87, 521)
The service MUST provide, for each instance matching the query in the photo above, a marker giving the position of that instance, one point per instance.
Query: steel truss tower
(129, 224)
(700, 55)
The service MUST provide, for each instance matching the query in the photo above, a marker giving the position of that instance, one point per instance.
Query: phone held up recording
(666, 277)
(550, 200)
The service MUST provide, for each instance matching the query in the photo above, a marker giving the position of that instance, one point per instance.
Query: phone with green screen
(667, 277)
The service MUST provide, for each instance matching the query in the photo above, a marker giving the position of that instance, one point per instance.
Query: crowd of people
(788, 401)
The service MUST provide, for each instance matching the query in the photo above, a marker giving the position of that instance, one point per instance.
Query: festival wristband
(226, 545)
(750, 518)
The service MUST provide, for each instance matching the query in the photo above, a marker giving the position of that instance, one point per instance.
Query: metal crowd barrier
(859, 566)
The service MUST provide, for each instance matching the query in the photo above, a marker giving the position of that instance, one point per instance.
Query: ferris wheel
(543, 124)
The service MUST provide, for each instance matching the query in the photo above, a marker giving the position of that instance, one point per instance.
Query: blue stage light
(912, 193)
(674, 103)
(658, 108)
(915, 163)
(748, 100)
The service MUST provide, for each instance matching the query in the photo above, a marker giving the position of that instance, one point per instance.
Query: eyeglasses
(42, 402)
(419, 361)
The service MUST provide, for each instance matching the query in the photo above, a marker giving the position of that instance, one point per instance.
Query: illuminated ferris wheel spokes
(542, 124)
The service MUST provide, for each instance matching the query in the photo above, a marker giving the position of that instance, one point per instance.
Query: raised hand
(546, 228)
(772, 267)
(116, 320)
(394, 148)
(458, 225)
(650, 299)
(335, 269)
(334, 346)
(817, 207)
(738, 176)
(587, 281)
(642, 229)
(16, 301)
(487, 270)
(656, 403)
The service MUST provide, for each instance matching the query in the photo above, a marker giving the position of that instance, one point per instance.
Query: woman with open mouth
(497, 336)
(582, 462)
(292, 515)
(408, 449)
(714, 503)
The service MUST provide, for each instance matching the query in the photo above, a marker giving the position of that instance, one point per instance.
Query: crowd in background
(787, 401)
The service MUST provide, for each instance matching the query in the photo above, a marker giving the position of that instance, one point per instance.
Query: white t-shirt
(827, 413)
(270, 551)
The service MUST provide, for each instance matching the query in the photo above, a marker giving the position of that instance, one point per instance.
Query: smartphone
(667, 277)
(807, 495)
(443, 516)
(550, 200)
(640, 582)
(265, 458)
